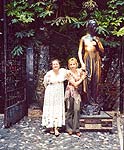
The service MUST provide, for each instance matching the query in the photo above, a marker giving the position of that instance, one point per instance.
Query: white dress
(53, 108)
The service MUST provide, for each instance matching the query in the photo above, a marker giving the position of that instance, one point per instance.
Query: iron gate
(14, 72)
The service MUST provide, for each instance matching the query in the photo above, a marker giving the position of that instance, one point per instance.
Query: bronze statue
(89, 51)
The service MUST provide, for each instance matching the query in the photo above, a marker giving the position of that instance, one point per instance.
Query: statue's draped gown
(92, 61)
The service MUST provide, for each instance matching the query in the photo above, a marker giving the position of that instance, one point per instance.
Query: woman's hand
(84, 75)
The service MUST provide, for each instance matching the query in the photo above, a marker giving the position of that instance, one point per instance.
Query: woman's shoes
(78, 134)
(52, 131)
(57, 132)
(70, 132)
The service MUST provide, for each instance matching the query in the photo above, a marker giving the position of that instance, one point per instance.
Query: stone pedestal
(102, 122)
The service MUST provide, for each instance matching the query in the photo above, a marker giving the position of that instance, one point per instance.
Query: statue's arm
(80, 53)
(101, 48)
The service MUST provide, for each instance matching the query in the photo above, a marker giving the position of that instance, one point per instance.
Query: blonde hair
(74, 60)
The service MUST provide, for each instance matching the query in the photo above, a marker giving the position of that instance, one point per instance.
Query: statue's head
(91, 26)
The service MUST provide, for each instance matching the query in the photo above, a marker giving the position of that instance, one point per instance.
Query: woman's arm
(76, 83)
(46, 79)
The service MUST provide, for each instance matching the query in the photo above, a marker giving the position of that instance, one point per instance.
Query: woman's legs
(76, 118)
(69, 115)
(56, 129)
(73, 116)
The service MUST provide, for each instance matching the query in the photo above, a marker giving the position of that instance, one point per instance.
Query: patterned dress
(54, 109)
(71, 91)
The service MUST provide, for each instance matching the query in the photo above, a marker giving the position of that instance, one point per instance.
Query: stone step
(103, 121)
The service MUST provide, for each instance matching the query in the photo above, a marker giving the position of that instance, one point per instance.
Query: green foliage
(64, 20)
(90, 4)
(18, 50)
(20, 11)
(102, 30)
(26, 12)
(23, 34)
(120, 32)
(110, 22)
(67, 19)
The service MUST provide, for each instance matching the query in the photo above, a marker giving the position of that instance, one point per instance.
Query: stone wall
(43, 66)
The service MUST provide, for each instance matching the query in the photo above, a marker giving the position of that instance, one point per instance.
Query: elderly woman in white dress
(54, 110)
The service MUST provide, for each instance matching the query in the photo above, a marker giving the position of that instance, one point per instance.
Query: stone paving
(28, 134)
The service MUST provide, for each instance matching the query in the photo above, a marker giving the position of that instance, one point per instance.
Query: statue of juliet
(89, 51)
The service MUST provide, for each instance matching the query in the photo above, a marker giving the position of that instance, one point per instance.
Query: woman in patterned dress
(72, 97)
(54, 109)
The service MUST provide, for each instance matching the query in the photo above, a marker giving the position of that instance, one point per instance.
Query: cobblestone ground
(28, 134)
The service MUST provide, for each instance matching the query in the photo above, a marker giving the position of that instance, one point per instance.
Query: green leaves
(78, 24)
(67, 18)
(25, 17)
(102, 30)
(90, 4)
(20, 11)
(23, 34)
(45, 13)
(18, 50)
(120, 32)
(26, 12)
(60, 21)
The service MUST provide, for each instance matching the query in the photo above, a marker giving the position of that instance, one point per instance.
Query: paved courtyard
(28, 134)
